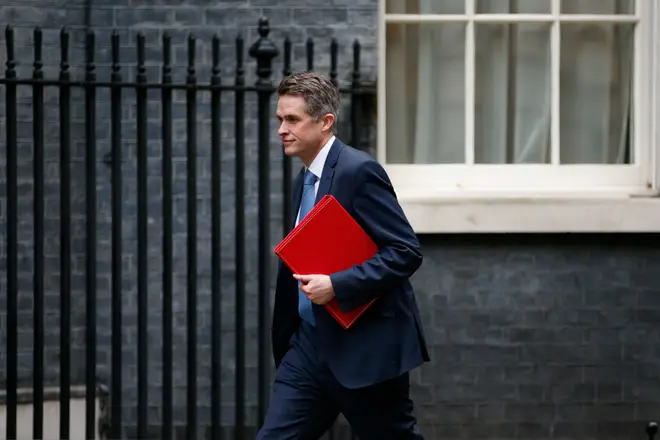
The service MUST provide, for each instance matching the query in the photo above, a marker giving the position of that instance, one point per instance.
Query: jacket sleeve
(377, 210)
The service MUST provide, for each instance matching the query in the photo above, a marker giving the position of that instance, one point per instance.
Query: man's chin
(290, 151)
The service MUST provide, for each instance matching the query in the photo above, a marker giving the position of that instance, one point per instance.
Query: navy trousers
(306, 400)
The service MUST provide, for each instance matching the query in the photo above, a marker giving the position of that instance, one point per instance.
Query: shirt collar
(316, 167)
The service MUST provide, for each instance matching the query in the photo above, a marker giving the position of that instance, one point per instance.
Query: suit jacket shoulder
(357, 165)
(351, 158)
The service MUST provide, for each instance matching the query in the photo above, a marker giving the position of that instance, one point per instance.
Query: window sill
(516, 213)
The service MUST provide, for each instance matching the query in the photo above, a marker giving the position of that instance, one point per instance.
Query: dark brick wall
(531, 336)
(540, 336)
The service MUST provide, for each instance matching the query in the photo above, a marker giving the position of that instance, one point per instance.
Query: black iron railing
(264, 51)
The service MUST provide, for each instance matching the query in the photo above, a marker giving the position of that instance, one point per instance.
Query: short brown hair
(320, 94)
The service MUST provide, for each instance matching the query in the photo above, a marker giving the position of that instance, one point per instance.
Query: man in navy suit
(323, 369)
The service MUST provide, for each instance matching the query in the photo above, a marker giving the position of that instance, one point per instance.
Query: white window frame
(537, 198)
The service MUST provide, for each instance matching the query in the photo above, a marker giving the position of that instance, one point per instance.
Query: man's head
(307, 109)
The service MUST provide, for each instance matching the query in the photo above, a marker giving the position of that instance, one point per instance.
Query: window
(518, 98)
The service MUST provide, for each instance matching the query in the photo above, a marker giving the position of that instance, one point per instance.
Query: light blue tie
(306, 204)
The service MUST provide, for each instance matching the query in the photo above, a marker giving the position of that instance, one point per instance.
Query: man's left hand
(318, 288)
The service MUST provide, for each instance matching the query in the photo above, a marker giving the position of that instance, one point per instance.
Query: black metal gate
(56, 175)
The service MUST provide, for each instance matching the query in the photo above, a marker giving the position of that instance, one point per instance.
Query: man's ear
(328, 120)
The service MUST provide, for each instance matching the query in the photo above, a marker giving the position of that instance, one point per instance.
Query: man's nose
(282, 129)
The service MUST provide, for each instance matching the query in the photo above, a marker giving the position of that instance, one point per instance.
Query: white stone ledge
(525, 213)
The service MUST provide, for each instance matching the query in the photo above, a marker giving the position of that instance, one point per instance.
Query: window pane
(513, 6)
(512, 93)
(425, 7)
(425, 81)
(596, 93)
(598, 6)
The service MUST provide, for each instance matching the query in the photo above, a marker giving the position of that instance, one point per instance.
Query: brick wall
(530, 336)
(539, 336)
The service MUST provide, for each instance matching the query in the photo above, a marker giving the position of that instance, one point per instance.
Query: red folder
(326, 241)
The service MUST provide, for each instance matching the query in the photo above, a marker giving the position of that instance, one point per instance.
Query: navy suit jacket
(388, 339)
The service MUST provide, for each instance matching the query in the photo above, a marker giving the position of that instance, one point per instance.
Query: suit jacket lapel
(324, 185)
(329, 169)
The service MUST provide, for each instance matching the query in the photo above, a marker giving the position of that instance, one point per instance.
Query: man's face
(301, 136)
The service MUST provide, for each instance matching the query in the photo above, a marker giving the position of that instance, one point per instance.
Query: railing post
(117, 235)
(287, 184)
(11, 162)
(65, 235)
(191, 222)
(263, 50)
(141, 97)
(90, 235)
(356, 98)
(239, 208)
(216, 247)
(168, 245)
(38, 219)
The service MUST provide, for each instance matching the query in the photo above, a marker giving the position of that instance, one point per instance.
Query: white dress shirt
(316, 167)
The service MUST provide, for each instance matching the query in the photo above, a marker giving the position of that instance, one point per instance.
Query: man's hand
(318, 288)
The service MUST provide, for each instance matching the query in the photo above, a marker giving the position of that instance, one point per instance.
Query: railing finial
(264, 50)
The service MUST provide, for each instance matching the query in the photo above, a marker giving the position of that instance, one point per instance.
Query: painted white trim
(381, 90)
(470, 81)
(644, 80)
(555, 214)
(527, 178)
(507, 18)
(526, 197)
(555, 66)
(654, 105)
